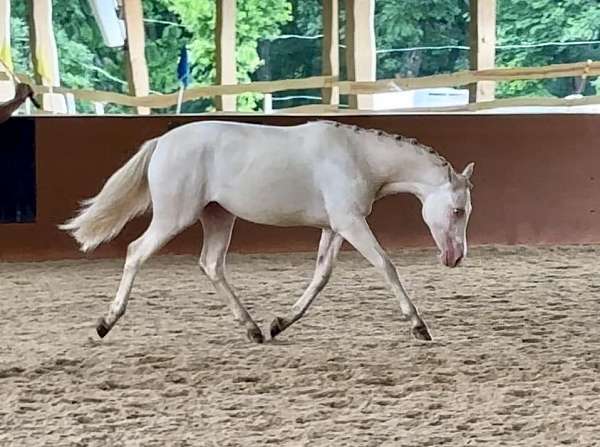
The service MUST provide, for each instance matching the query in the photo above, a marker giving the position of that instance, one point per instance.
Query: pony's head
(446, 211)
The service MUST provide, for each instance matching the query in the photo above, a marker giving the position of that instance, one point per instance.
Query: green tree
(536, 21)
(294, 58)
(85, 62)
(413, 23)
(255, 19)
(398, 24)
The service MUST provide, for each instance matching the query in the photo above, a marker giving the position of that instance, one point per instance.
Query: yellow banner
(6, 57)
(44, 68)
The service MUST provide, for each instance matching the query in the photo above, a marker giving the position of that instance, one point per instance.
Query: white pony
(320, 174)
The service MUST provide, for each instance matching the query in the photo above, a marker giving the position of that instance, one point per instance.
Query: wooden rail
(463, 78)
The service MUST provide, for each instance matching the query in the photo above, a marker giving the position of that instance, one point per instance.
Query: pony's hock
(320, 174)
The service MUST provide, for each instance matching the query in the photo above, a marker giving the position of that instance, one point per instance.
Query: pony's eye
(458, 212)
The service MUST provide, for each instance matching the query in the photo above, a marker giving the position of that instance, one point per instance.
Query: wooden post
(7, 89)
(360, 47)
(98, 107)
(331, 51)
(225, 52)
(268, 103)
(137, 70)
(44, 54)
(483, 46)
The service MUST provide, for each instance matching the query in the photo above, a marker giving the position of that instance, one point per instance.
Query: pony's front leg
(329, 247)
(357, 232)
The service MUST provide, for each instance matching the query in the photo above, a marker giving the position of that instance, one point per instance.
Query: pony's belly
(272, 193)
(286, 220)
(283, 215)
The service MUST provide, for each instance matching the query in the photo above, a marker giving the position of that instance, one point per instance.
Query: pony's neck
(401, 164)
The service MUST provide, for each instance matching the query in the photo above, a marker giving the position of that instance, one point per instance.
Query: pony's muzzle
(452, 255)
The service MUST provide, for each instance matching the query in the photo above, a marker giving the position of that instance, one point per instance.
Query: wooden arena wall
(536, 180)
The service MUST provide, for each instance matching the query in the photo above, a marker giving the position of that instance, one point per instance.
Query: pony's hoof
(277, 326)
(102, 327)
(254, 334)
(422, 333)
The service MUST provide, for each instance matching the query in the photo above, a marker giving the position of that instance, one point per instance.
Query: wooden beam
(169, 100)
(225, 52)
(360, 47)
(44, 54)
(482, 31)
(330, 49)
(7, 89)
(137, 69)
(512, 103)
(458, 79)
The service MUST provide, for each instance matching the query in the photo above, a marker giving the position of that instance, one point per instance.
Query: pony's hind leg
(169, 218)
(137, 253)
(157, 234)
(217, 224)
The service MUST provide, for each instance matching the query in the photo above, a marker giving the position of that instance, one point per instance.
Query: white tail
(124, 196)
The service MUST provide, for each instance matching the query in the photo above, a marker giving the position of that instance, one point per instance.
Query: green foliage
(255, 19)
(398, 24)
(293, 58)
(85, 62)
(533, 21)
(414, 23)
(20, 44)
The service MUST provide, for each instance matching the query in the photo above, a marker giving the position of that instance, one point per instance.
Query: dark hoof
(102, 327)
(422, 333)
(277, 326)
(254, 334)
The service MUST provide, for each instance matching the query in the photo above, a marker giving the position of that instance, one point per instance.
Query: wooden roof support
(225, 52)
(7, 90)
(330, 49)
(44, 54)
(482, 31)
(360, 47)
(137, 69)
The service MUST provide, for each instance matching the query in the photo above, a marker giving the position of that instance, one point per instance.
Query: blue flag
(183, 67)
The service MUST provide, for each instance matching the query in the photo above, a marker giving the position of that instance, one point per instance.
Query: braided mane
(426, 150)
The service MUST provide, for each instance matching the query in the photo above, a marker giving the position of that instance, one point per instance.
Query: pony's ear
(468, 171)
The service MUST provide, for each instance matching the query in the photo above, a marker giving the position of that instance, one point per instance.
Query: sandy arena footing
(515, 359)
